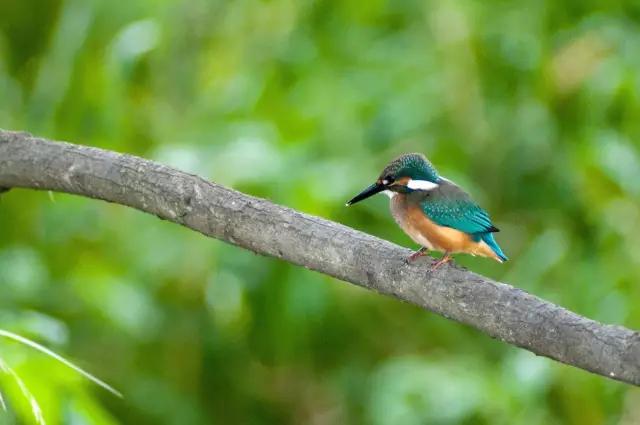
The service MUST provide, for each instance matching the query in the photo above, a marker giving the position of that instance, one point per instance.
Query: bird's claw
(419, 253)
(440, 262)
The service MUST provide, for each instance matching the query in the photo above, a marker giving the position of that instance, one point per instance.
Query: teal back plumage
(448, 205)
(462, 214)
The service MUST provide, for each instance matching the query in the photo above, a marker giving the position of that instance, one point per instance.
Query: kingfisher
(433, 211)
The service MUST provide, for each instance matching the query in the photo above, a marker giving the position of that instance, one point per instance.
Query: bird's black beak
(370, 191)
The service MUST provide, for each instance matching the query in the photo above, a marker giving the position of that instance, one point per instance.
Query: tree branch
(500, 310)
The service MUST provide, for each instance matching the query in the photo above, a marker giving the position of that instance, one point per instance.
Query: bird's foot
(413, 257)
(445, 259)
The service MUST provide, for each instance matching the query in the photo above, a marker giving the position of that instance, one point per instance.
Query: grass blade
(48, 352)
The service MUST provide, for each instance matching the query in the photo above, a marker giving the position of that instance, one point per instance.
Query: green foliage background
(533, 106)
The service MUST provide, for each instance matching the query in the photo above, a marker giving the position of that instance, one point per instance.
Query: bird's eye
(387, 180)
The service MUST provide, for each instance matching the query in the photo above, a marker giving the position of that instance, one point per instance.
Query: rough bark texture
(500, 310)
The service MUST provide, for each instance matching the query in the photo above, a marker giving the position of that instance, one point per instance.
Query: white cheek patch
(421, 185)
(389, 193)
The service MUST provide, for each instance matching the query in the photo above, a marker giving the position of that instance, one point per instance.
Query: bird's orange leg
(445, 259)
(419, 253)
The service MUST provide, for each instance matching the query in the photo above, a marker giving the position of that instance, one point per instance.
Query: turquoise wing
(462, 214)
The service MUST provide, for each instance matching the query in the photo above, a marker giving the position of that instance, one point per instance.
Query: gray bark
(501, 311)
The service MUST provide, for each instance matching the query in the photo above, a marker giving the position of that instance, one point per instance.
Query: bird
(433, 211)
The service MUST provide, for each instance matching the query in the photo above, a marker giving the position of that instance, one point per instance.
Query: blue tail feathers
(489, 240)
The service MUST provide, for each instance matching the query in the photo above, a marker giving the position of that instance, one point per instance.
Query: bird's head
(407, 173)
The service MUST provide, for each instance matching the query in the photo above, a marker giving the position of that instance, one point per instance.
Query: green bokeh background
(533, 106)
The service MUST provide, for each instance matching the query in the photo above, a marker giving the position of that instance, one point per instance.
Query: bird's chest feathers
(424, 231)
